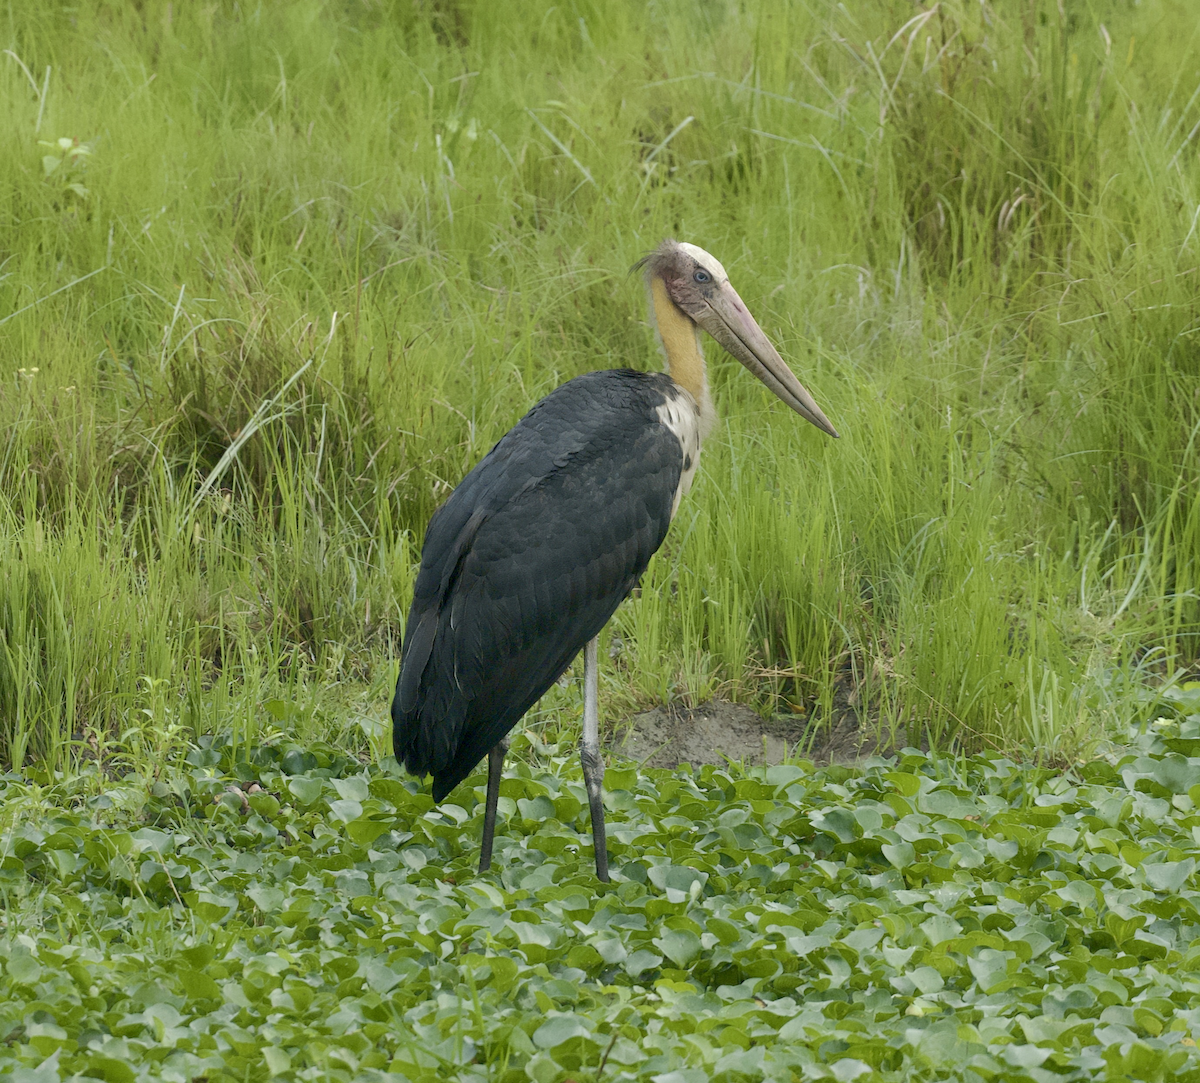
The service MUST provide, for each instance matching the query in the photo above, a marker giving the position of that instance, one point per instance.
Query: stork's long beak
(729, 321)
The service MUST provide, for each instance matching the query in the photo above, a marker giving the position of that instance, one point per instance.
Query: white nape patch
(706, 260)
(682, 416)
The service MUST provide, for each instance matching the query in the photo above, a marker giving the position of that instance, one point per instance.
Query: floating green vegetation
(291, 914)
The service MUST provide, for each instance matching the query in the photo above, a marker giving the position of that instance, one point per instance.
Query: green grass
(336, 249)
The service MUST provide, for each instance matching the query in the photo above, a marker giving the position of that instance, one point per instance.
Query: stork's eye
(702, 276)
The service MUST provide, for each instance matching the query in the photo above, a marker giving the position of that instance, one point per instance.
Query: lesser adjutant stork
(532, 553)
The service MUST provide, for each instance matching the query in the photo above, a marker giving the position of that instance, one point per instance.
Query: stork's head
(696, 283)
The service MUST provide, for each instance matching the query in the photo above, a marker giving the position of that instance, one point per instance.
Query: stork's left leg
(589, 754)
(495, 769)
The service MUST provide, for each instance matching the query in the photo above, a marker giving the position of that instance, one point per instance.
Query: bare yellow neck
(681, 343)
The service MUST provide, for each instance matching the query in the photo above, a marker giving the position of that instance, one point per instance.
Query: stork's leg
(495, 767)
(589, 755)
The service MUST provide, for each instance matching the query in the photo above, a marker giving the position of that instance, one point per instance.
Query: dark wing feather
(527, 561)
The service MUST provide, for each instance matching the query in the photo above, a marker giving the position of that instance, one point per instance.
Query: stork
(530, 556)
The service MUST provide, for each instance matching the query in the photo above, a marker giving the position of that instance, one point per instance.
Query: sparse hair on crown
(678, 259)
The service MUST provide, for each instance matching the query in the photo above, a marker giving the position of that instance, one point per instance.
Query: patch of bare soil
(719, 732)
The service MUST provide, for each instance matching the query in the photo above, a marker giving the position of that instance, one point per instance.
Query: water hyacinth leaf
(989, 967)
(908, 785)
(640, 961)
(948, 804)
(679, 945)
(740, 1062)
(1185, 696)
(298, 761)
(1123, 928)
(677, 882)
(901, 854)
(940, 927)
(1079, 892)
(414, 858)
(1042, 1030)
(211, 906)
(616, 778)
(848, 1069)
(1176, 773)
(559, 1029)
(379, 976)
(23, 968)
(355, 788)
(101, 1067)
(1114, 810)
(1037, 942)
(536, 808)
(345, 809)
(66, 863)
(147, 839)
(199, 955)
(1168, 876)
(265, 804)
(863, 939)
(681, 1075)
(1149, 1021)
(365, 830)
(306, 790)
(198, 986)
(927, 979)
(277, 1060)
(1025, 1056)
(1003, 849)
(782, 775)
(266, 897)
(504, 972)
(839, 822)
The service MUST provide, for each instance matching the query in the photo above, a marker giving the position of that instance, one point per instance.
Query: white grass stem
(261, 416)
(563, 147)
(54, 293)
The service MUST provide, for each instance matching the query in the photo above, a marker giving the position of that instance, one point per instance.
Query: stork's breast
(681, 417)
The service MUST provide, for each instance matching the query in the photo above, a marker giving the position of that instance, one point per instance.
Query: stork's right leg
(495, 767)
(590, 757)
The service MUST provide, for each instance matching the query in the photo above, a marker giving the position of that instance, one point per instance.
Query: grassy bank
(317, 257)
